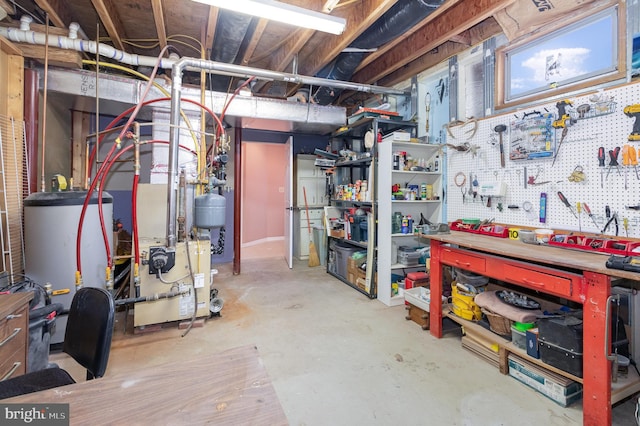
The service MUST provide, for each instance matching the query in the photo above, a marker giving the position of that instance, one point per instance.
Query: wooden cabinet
(14, 334)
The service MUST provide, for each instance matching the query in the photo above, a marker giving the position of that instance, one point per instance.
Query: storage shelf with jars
(353, 200)
(409, 195)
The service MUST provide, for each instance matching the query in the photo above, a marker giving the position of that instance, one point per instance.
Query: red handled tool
(613, 160)
(601, 158)
(588, 211)
(567, 203)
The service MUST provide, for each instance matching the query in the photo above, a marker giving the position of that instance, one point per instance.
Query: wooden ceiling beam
(253, 43)
(57, 10)
(382, 50)
(158, 18)
(282, 57)
(359, 17)
(110, 21)
(4, 4)
(453, 21)
(477, 34)
(210, 31)
(466, 41)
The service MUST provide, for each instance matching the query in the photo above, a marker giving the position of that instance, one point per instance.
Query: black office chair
(87, 340)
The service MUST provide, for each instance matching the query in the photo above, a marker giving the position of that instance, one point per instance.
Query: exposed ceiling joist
(451, 22)
(281, 59)
(158, 18)
(462, 39)
(253, 43)
(475, 35)
(4, 4)
(210, 32)
(359, 17)
(109, 18)
(392, 44)
(58, 12)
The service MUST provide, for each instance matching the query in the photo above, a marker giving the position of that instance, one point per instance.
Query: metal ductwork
(397, 20)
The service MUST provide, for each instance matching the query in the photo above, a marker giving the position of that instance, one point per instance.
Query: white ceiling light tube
(282, 12)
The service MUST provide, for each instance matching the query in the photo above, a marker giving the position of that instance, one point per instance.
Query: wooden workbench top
(231, 387)
(556, 256)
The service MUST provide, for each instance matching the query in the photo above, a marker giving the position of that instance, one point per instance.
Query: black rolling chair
(87, 340)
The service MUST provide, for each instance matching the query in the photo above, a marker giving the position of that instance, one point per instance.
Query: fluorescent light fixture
(282, 12)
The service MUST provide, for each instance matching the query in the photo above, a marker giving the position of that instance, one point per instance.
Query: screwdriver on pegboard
(579, 211)
(588, 211)
(567, 203)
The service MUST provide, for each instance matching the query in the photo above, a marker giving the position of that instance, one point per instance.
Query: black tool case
(560, 342)
(562, 358)
(563, 331)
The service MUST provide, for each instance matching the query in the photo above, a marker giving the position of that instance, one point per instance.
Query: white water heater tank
(51, 227)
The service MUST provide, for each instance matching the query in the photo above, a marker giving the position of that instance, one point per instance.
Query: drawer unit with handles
(14, 334)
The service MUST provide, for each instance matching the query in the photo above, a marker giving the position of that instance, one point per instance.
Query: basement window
(581, 54)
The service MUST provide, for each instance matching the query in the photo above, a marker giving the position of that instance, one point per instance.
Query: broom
(314, 260)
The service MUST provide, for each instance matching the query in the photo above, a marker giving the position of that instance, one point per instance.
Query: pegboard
(578, 151)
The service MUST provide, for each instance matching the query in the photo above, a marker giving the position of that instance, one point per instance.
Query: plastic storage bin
(518, 338)
(343, 253)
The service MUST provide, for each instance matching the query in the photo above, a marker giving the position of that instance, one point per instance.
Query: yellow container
(514, 233)
(464, 306)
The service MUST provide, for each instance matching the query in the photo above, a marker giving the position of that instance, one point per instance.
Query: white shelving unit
(431, 209)
(312, 179)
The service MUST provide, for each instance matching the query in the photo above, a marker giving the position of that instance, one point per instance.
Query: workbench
(231, 387)
(568, 274)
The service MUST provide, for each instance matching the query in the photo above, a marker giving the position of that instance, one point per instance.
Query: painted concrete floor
(336, 357)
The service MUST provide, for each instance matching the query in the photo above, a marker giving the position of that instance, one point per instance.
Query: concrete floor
(337, 358)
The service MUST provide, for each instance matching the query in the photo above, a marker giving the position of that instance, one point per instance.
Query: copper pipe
(237, 198)
(31, 106)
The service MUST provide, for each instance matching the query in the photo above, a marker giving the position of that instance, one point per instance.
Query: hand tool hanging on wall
(633, 111)
(601, 159)
(427, 102)
(563, 122)
(630, 158)
(567, 204)
(500, 128)
(613, 160)
(579, 211)
(587, 210)
(611, 218)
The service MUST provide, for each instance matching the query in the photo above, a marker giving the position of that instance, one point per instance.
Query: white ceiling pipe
(62, 42)
(25, 22)
(178, 67)
(108, 51)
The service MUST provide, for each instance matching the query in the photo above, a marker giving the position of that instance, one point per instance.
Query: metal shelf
(371, 296)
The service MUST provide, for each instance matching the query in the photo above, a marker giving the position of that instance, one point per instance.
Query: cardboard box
(557, 388)
(337, 233)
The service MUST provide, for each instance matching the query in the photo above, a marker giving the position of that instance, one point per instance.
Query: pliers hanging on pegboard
(611, 218)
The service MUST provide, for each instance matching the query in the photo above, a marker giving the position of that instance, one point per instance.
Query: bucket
(320, 241)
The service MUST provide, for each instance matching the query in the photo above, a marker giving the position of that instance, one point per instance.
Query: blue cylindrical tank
(209, 211)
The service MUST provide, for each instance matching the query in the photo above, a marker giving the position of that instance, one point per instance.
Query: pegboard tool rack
(603, 125)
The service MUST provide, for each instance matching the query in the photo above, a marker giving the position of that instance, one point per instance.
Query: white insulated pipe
(108, 51)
